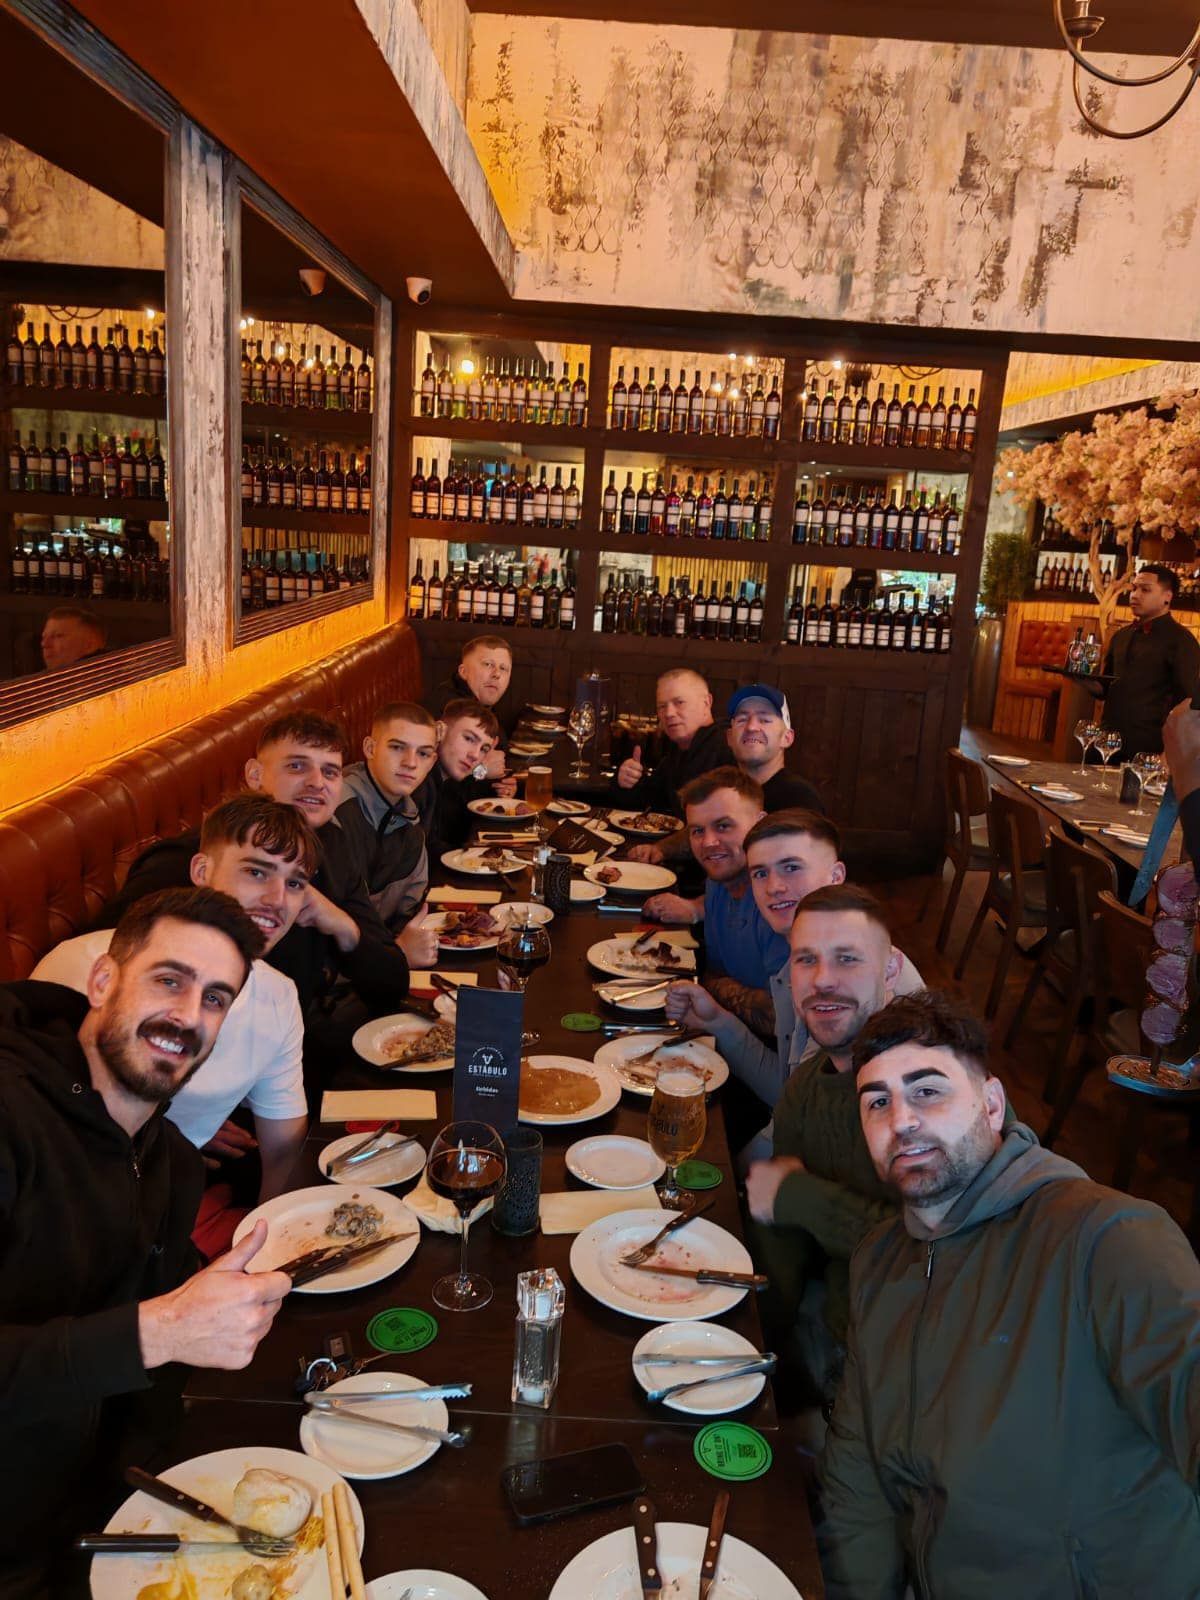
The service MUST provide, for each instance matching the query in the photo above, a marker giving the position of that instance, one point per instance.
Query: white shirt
(257, 1057)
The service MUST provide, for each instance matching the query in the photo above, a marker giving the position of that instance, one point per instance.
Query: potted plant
(1008, 567)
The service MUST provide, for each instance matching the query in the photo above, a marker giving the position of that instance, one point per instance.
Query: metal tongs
(369, 1149)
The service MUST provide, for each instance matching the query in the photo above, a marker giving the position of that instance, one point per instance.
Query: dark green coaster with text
(582, 1022)
(401, 1330)
(732, 1451)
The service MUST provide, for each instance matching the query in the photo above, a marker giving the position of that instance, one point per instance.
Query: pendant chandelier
(1078, 27)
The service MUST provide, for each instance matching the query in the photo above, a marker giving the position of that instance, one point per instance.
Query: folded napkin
(419, 982)
(463, 897)
(389, 1105)
(676, 936)
(438, 1214)
(573, 1210)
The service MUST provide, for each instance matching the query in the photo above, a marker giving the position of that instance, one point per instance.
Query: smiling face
(463, 745)
(842, 964)
(269, 889)
(157, 1013)
(716, 829)
(931, 1121)
(486, 673)
(299, 775)
(684, 706)
(1149, 597)
(757, 735)
(785, 869)
(400, 756)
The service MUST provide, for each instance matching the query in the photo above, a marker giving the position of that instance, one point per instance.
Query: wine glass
(675, 1124)
(523, 948)
(1144, 768)
(466, 1164)
(581, 725)
(1109, 746)
(1086, 732)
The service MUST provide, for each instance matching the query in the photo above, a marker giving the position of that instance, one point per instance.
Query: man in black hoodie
(98, 1193)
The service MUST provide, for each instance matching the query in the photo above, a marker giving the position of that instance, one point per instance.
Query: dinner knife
(646, 1538)
(178, 1499)
(712, 1545)
(731, 1280)
(155, 1544)
(342, 1258)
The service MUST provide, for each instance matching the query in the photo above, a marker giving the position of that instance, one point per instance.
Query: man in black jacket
(467, 736)
(483, 673)
(98, 1193)
(1154, 662)
(693, 745)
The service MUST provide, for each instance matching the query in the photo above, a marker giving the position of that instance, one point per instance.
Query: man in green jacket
(1020, 1409)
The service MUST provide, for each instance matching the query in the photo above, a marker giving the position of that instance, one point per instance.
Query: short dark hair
(928, 1018)
(456, 710)
(81, 614)
(202, 908)
(304, 727)
(1167, 576)
(708, 784)
(833, 897)
(268, 825)
(485, 641)
(795, 820)
(403, 711)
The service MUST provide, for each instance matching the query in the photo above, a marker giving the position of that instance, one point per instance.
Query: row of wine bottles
(1068, 575)
(531, 600)
(680, 613)
(80, 564)
(279, 576)
(115, 365)
(836, 517)
(501, 395)
(876, 626)
(661, 512)
(109, 472)
(270, 477)
(308, 381)
(853, 418)
(468, 494)
(727, 409)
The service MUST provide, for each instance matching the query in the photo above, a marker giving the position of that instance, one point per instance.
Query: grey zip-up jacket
(391, 842)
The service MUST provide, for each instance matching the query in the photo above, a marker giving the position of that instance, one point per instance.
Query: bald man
(71, 634)
(693, 745)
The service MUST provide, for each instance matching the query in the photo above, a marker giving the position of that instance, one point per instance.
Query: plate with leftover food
(607, 1569)
(558, 1090)
(569, 808)
(656, 958)
(641, 1292)
(475, 928)
(409, 1043)
(483, 861)
(422, 1583)
(502, 810)
(638, 1059)
(645, 824)
(630, 877)
(316, 1219)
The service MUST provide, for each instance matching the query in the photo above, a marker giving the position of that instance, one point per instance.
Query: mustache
(902, 1147)
(187, 1037)
(827, 1000)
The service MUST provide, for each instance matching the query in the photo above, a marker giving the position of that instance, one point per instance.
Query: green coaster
(401, 1330)
(699, 1175)
(583, 1022)
(733, 1451)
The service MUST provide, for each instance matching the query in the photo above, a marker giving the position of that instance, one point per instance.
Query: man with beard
(1020, 1410)
(97, 1197)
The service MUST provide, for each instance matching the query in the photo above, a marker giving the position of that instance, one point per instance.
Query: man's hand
(692, 1006)
(495, 763)
(419, 941)
(231, 1139)
(763, 1183)
(319, 911)
(631, 770)
(1181, 745)
(217, 1317)
(506, 788)
(644, 852)
(673, 908)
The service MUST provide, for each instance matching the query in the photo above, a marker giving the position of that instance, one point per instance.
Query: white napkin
(574, 1209)
(463, 897)
(420, 982)
(438, 1214)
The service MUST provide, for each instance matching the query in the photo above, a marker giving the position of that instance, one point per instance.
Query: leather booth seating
(1026, 707)
(63, 856)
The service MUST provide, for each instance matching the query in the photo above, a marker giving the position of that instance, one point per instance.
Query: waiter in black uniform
(1154, 663)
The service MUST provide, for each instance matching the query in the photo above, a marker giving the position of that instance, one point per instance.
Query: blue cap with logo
(760, 691)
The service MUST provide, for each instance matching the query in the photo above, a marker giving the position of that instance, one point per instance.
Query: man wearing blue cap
(760, 731)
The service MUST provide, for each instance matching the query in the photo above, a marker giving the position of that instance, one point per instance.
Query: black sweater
(91, 1222)
(675, 767)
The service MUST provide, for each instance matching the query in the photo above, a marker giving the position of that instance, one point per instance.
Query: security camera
(420, 290)
(312, 280)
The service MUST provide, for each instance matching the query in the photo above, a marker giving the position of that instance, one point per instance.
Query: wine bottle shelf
(504, 432)
(810, 453)
(84, 505)
(308, 420)
(749, 550)
(700, 446)
(307, 521)
(505, 533)
(832, 555)
(107, 402)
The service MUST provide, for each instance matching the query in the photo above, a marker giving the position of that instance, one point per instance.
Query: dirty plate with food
(558, 1090)
(619, 959)
(502, 810)
(638, 1058)
(607, 1569)
(596, 1266)
(409, 1043)
(514, 913)
(569, 808)
(483, 861)
(473, 929)
(645, 824)
(630, 877)
(422, 1583)
(316, 1219)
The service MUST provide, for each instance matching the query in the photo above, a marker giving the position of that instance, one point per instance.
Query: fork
(645, 1251)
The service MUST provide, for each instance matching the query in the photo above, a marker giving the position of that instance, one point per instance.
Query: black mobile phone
(581, 1480)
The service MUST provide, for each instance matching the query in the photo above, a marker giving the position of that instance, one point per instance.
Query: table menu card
(487, 1056)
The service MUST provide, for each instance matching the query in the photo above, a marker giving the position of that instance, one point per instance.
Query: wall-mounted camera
(312, 280)
(420, 290)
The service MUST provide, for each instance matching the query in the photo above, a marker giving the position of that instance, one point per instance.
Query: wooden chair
(966, 846)
(1016, 891)
(1068, 957)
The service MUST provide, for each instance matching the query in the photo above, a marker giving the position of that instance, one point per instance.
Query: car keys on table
(321, 1371)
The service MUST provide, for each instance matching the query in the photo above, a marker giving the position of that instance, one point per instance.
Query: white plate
(614, 1161)
(297, 1223)
(367, 1040)
(213, 1478)
(508, 811)
(1009, 761)
(529, 749)
(637, 877)
(512, 912)
(697, 1339)
(541, 725)
(423, 1583)
(436, 920)
(584, 893)
(569, 808)
(608, 1569)
(624, 821)
(548, 711)
(653, 1298)
(608, 955)
(471, 862)
(610, 1091)
(359, 1451)
(383, 1171)
(696, 1053)
(613, 993)
(1053, 792)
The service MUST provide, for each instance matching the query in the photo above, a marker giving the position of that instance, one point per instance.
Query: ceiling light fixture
(1078, 26)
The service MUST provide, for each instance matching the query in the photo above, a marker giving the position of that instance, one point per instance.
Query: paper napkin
(388, 1105)
(573, 1210)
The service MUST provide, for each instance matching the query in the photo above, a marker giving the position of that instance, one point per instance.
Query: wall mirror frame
(269, 243)
(65, 44)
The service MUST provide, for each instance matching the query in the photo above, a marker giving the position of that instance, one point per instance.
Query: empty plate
(614, 1161)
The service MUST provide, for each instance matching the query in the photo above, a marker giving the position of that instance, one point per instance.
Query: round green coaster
(582, 1022)
(699, 1175)
(732, 1451)
(401, 1330)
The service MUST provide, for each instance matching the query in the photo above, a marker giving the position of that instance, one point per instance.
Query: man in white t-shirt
(263, 854)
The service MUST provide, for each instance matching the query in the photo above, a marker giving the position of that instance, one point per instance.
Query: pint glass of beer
(539, 787)
(675, 1124)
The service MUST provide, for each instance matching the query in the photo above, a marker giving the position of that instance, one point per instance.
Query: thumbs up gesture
(419, 941)
(217, 1317)
(631, 770)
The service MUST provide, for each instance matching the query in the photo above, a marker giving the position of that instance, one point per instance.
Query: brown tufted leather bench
(63, 856)
(1026, 707)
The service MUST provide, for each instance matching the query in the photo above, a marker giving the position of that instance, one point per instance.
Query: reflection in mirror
(83, 407)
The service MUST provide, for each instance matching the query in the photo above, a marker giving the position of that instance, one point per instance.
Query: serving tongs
(368, 1149)
(321, 1405)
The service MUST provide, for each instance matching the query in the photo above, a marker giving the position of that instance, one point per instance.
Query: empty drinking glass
(1109, 746)
(1087, 732)
(581, 725)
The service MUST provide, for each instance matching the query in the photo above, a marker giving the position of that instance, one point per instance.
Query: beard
(947, 1169)
(835, 1032)
(152, 1081)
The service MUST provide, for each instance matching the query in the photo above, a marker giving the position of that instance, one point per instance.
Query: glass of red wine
(466, 1165)
(523, 948)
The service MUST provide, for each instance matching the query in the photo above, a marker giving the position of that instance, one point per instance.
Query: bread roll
(270, 1503)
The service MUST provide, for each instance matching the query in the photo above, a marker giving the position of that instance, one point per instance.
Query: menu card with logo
(487, 1056)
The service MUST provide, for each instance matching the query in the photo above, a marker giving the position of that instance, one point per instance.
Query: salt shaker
(540, 1301)
(540, 857)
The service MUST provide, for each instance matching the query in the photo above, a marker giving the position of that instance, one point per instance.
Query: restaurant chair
(1016, 891)
(966, 846)
(1068, 958)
